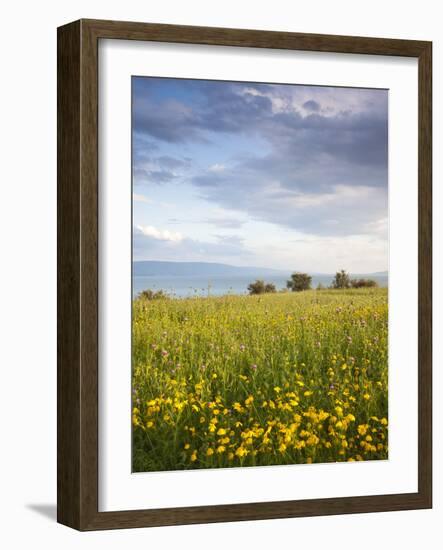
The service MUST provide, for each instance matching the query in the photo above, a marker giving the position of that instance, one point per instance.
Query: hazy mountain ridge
(199, 269)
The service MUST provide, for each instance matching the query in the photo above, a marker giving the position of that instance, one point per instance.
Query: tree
(299, 281)
(363, 283)
(260, 287)
(341, 280)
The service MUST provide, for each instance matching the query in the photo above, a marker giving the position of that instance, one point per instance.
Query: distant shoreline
(183, 287)
(280, 293)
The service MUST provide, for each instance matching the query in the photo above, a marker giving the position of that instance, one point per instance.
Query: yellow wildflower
(249, 400)
(241, 452)
(362, 429)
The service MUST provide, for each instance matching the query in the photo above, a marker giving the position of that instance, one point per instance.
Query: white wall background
(28, 271)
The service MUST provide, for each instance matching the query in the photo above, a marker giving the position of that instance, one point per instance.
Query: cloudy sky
(283, 176)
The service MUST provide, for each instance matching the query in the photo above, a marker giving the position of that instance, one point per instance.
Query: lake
(181, 286)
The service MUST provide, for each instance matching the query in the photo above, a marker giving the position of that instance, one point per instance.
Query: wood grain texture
(425, 273)
(254, 38)
(68, 275)
(77, 456)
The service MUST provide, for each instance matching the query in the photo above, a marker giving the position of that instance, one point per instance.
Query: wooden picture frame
(78, 244)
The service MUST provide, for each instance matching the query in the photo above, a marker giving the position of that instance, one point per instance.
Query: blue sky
(284, 176)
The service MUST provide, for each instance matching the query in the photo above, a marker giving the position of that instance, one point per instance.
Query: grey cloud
(311, 105)
(155, 176)
(157, 169)
(165, 122)
(360, 138)
(172, 162)
(225, 249)
(303, 201)
(313, 157)
(324, 173)
(222, 109)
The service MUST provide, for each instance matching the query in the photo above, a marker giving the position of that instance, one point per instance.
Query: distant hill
(198, 269)
(209, 269)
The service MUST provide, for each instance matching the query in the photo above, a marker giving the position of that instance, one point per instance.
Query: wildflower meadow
(281, 378)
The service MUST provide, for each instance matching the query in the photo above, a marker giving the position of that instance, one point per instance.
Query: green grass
(258, 380)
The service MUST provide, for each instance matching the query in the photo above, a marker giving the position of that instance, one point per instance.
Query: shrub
(153, 295)
(270, 287)
(363, 283)
(299, 282)
(257, 288)
(260, 287)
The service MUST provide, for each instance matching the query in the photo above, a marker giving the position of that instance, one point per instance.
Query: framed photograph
(244, 274)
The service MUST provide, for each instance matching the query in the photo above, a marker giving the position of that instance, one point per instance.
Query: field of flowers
(258, 380)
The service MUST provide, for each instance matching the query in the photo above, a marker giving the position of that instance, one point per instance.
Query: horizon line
(263, 267)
